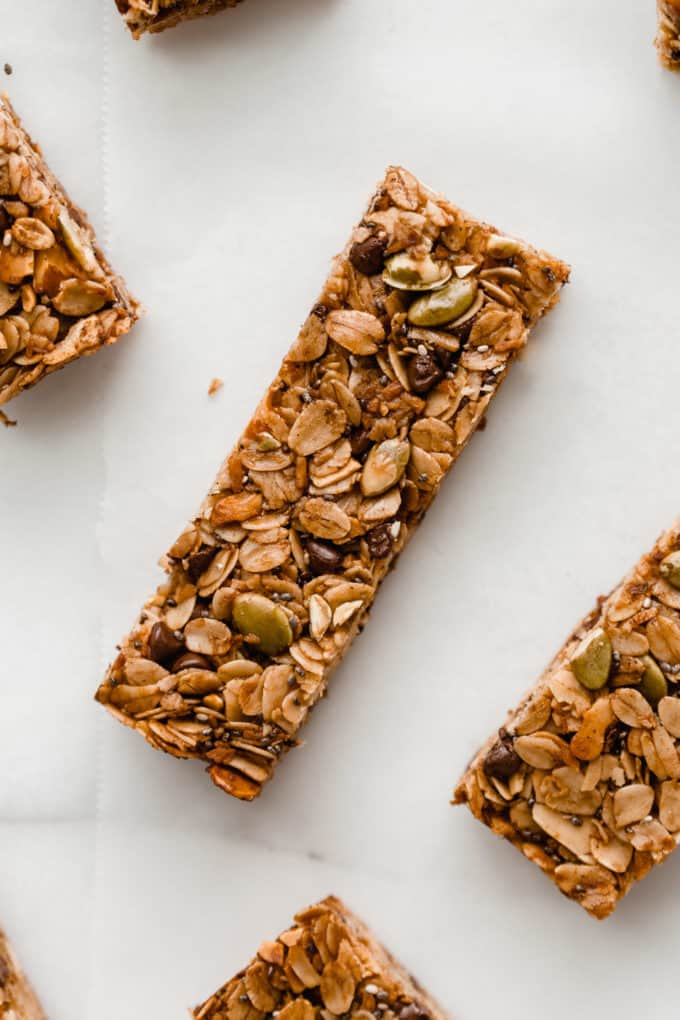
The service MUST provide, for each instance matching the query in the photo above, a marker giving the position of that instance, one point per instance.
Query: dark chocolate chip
(502, 761)
(191, 660)
(444, 358)
(379, 541)
(323, 558)
(8, 68)
(368, 256)
(200, 612)
(163, 645)
(413, 1012)
(199, 561)
(359, 442)
(423, 372)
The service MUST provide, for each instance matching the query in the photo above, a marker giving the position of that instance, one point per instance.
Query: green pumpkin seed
(255, 614)
(670, 569)
(653, 685)
(384, 466)
(405, 272)
(445, 305)
(592, 661)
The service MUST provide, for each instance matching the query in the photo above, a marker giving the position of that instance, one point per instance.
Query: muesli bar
(329, 961)
(59, 297)
(142, 16)
(584, 777)
(17, 999)
(668, 37)
(413, 333)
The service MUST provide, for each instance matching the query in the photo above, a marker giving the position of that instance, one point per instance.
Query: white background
(222, 164)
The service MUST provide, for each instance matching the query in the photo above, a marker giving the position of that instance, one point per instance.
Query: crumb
(215, 385)
(8, 69)
(9, 423)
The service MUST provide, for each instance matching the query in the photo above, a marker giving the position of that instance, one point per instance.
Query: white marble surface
(223, 163)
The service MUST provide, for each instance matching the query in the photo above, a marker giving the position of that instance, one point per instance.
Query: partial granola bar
(584, 777)
(328, 963)
(142, 16)
(668, 37)
(59, 297)
(17, 999)
(414, 331)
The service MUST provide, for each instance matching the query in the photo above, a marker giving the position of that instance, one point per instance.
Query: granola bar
(328, 963)
(584, 777)
(59, 298)
(17, 999)
(395, 367)
(668, 38)
(142, 16)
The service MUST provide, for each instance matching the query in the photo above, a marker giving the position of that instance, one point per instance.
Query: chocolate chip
(323, 558)
(199, 562)
(163, 645)
(379, 541)
(502, 761)
(320, 311)
(443, 358)
(8, 68)
(368, 256)
(413, 1012)
(200, 612)
(359, 442)
(191, 660)
(423, 372)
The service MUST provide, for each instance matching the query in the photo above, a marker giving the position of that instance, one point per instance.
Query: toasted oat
(583, 778)
(327, 483)
(215, 385)
(327, 965)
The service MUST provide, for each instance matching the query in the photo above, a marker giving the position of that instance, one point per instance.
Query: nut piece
(592, 660)
(384, 466)
(32, 233)
(257, 616)
(500, 247)
(444, 306)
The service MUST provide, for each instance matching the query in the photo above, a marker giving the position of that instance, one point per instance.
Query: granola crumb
(9, 423)
(215, 385)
